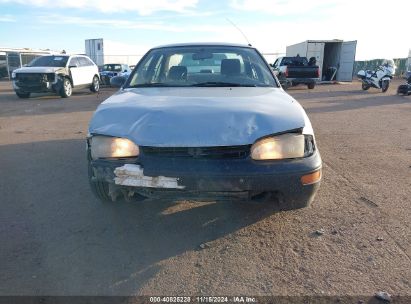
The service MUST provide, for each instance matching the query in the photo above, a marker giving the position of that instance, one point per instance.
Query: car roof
(203, 44)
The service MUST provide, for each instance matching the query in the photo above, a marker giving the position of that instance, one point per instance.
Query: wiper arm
(221, 84)
(150, 84)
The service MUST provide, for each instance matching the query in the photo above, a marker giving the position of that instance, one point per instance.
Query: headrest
(177, 72)
(230, 67)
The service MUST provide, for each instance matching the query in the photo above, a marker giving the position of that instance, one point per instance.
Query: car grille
(35, 78)
(223, 152)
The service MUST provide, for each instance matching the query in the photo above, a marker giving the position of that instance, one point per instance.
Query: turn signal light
(311, 178)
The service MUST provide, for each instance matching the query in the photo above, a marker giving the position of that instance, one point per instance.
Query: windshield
(202, 66)
(49, 61)
(112, 67)
(388, 63)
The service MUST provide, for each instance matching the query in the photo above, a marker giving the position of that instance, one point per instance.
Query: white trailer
(95, 50)
(330, 55)
(14, 58)
(104, 52)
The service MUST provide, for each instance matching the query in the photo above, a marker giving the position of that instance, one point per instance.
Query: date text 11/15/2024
(202, 299)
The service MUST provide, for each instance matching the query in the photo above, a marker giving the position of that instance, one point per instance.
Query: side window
(89, 62)
(74, 62)
(83, 61)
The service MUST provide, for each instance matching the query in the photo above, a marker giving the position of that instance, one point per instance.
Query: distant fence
(401, 64)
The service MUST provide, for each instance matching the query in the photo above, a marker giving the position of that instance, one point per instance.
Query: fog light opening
(311, 178)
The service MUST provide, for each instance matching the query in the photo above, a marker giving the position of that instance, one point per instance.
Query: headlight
(105, 147)
(283, 146)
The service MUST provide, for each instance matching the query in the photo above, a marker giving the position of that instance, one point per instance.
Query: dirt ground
(57, 239)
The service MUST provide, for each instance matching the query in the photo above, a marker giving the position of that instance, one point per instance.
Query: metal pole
(7, 64)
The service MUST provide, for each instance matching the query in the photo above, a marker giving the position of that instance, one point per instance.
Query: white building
(330, 55)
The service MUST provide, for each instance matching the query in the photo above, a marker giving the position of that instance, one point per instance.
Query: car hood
(37, 70)
(197, 117)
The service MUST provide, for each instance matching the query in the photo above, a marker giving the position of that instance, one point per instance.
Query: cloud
(7, 18)
(154, 24)
(283, 7)
(98, 22)
(142, 7)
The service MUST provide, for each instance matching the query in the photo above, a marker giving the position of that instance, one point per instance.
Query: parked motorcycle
(380, 78)
(405, 89)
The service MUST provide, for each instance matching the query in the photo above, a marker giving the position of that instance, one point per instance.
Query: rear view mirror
(202, 55)
(117, 81)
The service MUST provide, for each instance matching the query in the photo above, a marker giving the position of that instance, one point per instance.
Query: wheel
(384, 86)
(99, 188)
(22, 94)
(67, 89)
(365, 87)
(311, 86)
(95, 85)
(400, 91)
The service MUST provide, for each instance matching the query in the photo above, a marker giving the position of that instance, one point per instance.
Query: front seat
(230, 67)
(177, 72)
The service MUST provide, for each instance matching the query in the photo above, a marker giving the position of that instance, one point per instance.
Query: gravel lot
(57, 239)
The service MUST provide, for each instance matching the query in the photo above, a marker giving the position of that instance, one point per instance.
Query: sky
(132, 27)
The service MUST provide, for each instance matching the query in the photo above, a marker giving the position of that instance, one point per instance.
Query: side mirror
(117, 81)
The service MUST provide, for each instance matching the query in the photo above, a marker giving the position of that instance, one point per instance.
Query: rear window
(112, 67)
(296, 61)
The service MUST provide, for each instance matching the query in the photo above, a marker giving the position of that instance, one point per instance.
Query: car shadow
(74, 244)
(355, 103)
(43, 104)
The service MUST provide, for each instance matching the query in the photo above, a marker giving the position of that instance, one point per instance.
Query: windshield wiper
(151, 84)
(221, 84)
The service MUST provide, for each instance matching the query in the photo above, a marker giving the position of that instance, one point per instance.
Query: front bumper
(105, 77)
(296, 81)
(39, 87)
(218, 178)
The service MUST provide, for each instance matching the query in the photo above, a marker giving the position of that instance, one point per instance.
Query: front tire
(95, 85)
(67, 88)
(99, 188)
(22, 94)
(364, 86)
(385, 85)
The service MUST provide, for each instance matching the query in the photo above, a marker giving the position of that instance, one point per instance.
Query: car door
(88, 70)
(75, 71)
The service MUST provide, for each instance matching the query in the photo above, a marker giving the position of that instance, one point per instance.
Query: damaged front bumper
(197, 178)
(38, 87)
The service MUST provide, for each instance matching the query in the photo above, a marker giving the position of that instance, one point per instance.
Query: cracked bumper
(244, 178)
(42, 87)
